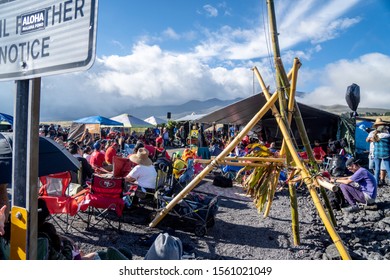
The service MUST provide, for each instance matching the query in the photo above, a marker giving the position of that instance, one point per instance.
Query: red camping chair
(105, 197)
(55, 191)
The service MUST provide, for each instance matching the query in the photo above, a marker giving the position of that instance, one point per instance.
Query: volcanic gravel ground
(240, 232)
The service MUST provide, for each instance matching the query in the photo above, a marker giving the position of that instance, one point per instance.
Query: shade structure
(53, 157)
(155, 120)
(191, 118)
(6, 118)
(319, 124)
(99, 120)
(131, 121)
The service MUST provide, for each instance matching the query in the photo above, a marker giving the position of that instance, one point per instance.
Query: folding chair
(62, 205)
(104, 199)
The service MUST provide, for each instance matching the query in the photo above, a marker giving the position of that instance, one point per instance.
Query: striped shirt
(382, 148)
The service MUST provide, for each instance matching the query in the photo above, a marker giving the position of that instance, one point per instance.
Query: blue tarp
(360, 136)
(6, 118)
(98, 120)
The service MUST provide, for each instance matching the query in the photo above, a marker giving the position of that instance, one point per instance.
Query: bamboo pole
(305, 140)
(214, 162)
(271, 193)
(290, 107)
(306, 175)
(294, 213)
(232, 159)
(266, 159)
(291, 98)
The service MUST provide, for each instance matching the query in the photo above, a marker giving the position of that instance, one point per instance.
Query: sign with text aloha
(46, 37)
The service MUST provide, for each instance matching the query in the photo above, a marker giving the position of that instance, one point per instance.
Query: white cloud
(369, 71)
(313, 21)
(170, 33)
(210, 11)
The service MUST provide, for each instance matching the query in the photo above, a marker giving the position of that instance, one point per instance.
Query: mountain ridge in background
(210, 105)
(213, 104)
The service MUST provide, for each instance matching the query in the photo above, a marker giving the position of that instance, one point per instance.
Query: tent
(6, 118)
(319, 124)
(191, 118)
(6, 122)
(130, 121)
(93, 123)
(98, 120)
(155, 120)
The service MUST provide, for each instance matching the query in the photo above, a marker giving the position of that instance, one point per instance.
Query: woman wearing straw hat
(144, 173)
(381, 139)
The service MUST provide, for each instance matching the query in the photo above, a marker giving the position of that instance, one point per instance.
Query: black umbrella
(352, 97)
(53, 157)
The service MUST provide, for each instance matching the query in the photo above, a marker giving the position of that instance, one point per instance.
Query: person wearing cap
(361, 187)
(160, 151)
(98, 160)
(144, 173)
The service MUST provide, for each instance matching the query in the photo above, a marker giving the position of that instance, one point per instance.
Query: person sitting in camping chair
(98, 161)
(144, 173)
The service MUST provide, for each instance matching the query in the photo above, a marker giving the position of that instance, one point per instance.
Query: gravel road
(241, 233)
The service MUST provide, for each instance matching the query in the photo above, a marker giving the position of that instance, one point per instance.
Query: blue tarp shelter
(6, 118)
(361, 134)
(98, 120)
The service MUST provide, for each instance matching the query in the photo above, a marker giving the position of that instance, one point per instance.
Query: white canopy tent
(155, 120)
(130, 121)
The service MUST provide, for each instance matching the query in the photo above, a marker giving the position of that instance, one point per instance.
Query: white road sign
(46, 37)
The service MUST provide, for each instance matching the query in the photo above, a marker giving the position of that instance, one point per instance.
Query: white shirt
(144, 175)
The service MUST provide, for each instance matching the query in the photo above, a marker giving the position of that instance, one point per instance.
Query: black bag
(337, 166)
(223, 182)
(159, 154)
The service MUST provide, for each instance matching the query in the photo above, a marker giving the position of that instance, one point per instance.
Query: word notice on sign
(46, 37)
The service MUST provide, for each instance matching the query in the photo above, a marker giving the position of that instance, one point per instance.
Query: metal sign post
(25, 170)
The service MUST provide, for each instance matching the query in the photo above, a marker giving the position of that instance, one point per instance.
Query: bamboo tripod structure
(287, 147)
(312, 183)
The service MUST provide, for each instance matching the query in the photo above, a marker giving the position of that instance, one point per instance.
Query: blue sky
(169, 52)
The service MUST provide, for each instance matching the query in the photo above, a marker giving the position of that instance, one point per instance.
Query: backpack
(159, 154)
(164, 165)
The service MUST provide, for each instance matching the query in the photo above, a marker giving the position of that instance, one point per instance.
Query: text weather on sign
(46, 37)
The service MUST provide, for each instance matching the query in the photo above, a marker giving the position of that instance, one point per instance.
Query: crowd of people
(358, 185)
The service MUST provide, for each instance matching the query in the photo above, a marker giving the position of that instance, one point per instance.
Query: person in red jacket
(98, 160)
(318, 152)
(111, 152)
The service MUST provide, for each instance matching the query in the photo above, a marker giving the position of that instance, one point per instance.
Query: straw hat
(141, 157)
(379, 121)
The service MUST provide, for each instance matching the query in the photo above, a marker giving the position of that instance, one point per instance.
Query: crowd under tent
(93, 124)
(319, 124)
